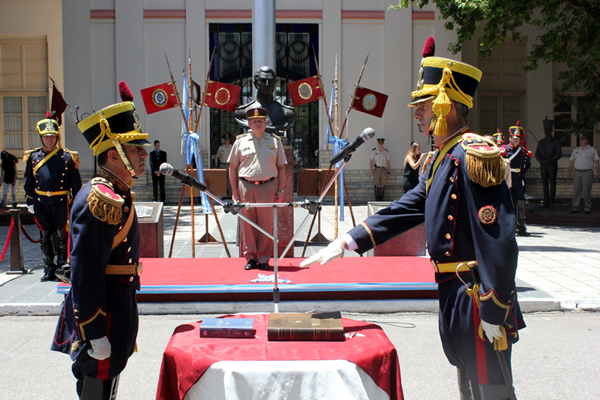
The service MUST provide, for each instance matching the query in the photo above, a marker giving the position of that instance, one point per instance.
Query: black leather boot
(47, 256)
(99, 389)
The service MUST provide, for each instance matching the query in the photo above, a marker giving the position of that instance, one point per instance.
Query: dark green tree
(569, 33)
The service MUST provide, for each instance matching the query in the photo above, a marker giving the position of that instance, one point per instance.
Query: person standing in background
(548, 153)
(412, 163)
(9, 178)
(520, 162)
(52, 180)
(223, 157)
(157, 157)
(380, 168)
(584, 160)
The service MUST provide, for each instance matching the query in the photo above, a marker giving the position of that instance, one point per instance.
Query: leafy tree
(569, 33)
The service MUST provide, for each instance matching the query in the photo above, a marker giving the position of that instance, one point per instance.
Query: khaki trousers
(257, 246)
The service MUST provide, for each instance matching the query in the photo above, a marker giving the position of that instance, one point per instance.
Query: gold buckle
(138, 268)
(49, 193)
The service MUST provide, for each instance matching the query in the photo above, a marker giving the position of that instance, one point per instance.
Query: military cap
(117, 123)
(444, 79)
(516, 130)
(381, 139)
(584, 135)
(256, 112)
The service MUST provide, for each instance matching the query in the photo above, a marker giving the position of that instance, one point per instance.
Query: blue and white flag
(338, 145)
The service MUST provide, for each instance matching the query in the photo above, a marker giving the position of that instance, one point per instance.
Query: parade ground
(557, 284)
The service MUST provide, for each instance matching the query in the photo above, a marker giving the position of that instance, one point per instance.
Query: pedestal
(409, 243)
(151, 222)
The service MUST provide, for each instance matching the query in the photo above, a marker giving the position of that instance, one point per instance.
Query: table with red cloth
(188, 356)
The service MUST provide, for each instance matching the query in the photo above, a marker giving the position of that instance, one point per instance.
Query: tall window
(564, 114)
(23, 91)
(502, 91)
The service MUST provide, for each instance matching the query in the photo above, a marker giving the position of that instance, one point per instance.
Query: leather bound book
(306, 326)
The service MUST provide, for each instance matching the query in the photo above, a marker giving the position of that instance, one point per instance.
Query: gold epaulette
(104, 203)
(241, 135)
(74, 156)
(28, 154)
(484, 162)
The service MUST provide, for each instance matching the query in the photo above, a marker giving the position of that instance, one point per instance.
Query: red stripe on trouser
(103, 365)
(482, 375)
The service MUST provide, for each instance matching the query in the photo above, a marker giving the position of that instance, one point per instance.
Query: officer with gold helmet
(469, 224)
(51, 180)
(98, 323)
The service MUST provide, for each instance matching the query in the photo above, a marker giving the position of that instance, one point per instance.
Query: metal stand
(17, 265)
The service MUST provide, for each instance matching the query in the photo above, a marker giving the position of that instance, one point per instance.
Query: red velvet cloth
(187, 355)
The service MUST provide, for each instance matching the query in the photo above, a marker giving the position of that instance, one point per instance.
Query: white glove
(334, 250)
(30, 209)
(100, 348)
(491, 331)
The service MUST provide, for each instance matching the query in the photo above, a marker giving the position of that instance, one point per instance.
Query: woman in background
(9, 171)
(412, 163)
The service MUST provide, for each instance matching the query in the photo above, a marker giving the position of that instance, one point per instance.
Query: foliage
(569, 33)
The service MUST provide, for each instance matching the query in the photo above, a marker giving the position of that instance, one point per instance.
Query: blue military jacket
(55, 175)
(468, 217)
(519, 164)
(95, 300)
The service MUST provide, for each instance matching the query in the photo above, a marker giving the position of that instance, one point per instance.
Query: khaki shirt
(257, 161)
(223, 153)
(583, 159)
(380, 157)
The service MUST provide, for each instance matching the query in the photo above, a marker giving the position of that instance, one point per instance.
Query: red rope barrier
(12, 224)
(27, 236)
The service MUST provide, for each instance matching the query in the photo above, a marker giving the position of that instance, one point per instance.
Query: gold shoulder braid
(28, 154)
(74, 156)
(104, 203)
(484, 162)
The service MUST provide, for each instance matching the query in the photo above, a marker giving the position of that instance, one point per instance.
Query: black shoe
(264, 266)
(586, 212)
(523, 233)
(49, 274)
(574, 212)
(251, 265)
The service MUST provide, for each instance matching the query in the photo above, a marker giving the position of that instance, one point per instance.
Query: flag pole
(177, 94)
(335, 133)
(189, 167)
(212, 56)
(353, 96)
(324, 96)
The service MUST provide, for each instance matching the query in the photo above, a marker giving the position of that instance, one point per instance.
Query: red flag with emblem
(369, 101)
(159, 97)
(222, 95)
(305, 90)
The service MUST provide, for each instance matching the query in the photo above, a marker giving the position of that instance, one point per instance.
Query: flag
(328, 137)
(369, 101)
(222, 95)
(58, 104)
(159, 97)
(196, 92)
(305, 90)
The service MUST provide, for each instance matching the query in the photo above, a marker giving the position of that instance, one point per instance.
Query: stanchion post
(17, 266)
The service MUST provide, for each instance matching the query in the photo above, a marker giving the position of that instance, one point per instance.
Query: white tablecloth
(269, 380)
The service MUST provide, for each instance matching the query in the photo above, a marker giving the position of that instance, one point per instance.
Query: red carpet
(224, 279)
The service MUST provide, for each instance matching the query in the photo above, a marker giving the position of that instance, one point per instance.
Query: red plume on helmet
(48, 114)
(126, 94)
(429, 48)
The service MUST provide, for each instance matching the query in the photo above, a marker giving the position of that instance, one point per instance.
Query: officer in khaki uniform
(257, 163)
(380, 168)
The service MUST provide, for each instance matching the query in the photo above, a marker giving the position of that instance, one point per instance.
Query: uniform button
(131, 279)
(456, 163)
(451, 179)
(448, 236)
(453, 196)
(130, 261)
(129, 249)
(447, 254)
(450, 217)
(124, 240)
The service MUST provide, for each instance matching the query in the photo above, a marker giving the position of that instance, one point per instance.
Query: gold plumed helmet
(444, 80)
(114, 126)
(48, 126)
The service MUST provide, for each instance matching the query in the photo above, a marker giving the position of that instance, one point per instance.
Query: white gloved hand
(100, 348)
(334, 250)
(30, 209)
(491, 331)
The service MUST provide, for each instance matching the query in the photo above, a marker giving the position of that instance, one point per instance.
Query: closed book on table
(305, 326)
(227, 328)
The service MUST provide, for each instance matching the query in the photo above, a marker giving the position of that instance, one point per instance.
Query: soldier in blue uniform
(520, 161)
(469, 223)
(98, 323)
(51, 180)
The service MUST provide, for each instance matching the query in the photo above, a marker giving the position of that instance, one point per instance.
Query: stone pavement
(559, 268)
